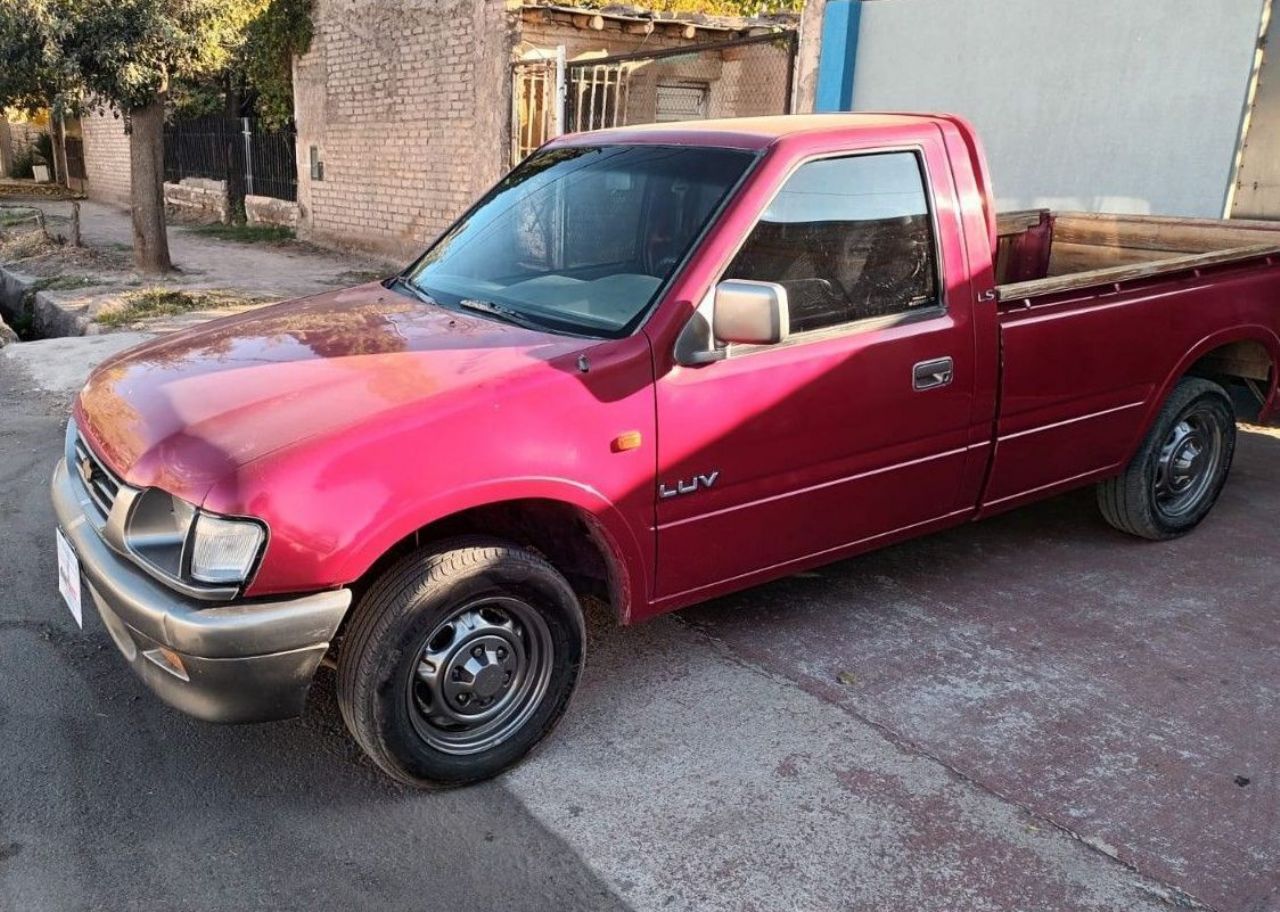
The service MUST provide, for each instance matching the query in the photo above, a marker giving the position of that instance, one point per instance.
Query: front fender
(391, 526)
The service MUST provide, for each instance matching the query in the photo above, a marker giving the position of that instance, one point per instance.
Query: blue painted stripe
(839, 52)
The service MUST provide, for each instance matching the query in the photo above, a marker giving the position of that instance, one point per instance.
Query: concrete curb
(54, 318)
(14, 288)
(50, 313)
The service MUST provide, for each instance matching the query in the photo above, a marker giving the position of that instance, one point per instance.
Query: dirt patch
(148, 303)
(360, 276)
(36, 253)
(29, 188)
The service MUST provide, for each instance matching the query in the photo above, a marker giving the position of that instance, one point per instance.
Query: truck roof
(744, 132)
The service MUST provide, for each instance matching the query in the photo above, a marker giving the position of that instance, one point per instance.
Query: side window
(849, 238)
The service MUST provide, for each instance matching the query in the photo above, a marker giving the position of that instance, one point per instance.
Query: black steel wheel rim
(1188, 462)
(479, 675)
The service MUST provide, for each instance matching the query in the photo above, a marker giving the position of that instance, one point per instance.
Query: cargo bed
(1041, 252)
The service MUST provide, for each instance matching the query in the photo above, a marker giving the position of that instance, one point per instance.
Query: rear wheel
(458, 662)
(1177, 474)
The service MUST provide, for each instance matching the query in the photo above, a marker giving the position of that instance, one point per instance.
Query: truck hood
(184, 411)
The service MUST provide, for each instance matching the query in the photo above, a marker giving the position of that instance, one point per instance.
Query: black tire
(1145, 500)
(434, 611)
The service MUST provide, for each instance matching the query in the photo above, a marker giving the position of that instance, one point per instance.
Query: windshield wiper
(506, 314)
(414, 291)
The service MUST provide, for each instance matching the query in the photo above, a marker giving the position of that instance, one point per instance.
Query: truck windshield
(580, 239)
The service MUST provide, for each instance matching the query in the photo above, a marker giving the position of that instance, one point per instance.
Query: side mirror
(735, 312)
(750, 313)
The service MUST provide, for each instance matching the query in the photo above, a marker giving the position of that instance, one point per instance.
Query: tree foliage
(125, 54)
(128, 51)
(33, 75)
(283, 31)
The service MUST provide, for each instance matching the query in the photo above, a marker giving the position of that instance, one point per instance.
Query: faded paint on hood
(183, 411)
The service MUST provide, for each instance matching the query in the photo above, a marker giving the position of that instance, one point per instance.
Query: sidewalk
(67, 289)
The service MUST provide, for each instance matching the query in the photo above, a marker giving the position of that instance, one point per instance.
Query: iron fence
(739, 78)
(252, 160)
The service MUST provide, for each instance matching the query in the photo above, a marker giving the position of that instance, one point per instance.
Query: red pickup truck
(653, 365)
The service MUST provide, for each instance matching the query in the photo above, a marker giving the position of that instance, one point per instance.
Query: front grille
(98, 481)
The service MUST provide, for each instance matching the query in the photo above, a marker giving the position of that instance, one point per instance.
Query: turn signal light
(629, 440)
(167, 659)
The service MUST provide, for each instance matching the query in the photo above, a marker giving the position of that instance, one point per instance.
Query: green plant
(272, 40)
(246, 234)
(22, 163)
(167, 302)
(67, 282)
(40, 152)
(44, 148)
(11, 216)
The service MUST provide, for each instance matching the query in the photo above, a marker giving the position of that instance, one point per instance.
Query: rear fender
(1263, 335)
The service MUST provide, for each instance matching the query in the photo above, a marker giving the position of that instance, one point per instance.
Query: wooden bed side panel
(1069, 257)
(1128, 273)
(1163, 233)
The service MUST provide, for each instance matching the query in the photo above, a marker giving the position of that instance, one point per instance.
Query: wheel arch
(1233, 353)
(575, 528)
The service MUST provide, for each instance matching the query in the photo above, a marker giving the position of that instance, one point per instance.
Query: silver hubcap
(1188, 463)
(479, 675)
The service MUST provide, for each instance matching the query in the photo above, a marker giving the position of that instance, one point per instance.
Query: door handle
(929, 375)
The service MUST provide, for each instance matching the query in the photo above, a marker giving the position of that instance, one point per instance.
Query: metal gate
(739, 78)
(537, 110)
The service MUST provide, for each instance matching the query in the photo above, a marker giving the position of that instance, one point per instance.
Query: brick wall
(407, 103)
(106, 157)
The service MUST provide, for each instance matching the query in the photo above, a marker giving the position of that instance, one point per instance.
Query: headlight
(223, 550)
(182, 545)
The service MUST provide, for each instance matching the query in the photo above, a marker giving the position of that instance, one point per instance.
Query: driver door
(856, 426)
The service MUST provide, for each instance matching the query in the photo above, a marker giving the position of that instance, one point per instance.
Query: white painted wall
(1101, 105)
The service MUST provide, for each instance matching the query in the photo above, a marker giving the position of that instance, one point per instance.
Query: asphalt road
(1030, 713)
(109, 800)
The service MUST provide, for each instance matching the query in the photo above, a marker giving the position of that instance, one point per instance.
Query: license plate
(69, 577)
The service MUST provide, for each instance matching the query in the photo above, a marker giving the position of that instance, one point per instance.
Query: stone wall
(198, 199)
(106, 157)
(269, 211)
(407, 106)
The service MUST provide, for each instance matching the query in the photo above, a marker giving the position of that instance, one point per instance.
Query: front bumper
(241, 661)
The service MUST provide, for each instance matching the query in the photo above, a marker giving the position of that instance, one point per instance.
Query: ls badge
(692, 486)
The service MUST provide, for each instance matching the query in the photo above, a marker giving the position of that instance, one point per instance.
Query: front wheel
(1175, 478)
(459, 661)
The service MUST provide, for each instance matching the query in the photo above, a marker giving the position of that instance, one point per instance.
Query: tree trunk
(146, 171)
